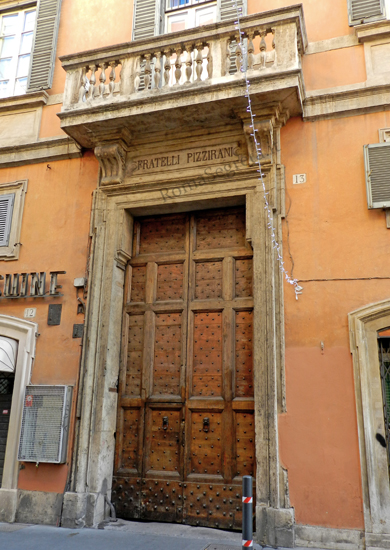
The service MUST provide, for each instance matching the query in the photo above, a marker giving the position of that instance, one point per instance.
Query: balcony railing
(195, 58)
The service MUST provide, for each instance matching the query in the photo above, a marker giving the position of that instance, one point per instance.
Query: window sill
(32, 99)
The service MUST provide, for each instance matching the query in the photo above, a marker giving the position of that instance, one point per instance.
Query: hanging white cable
(270, 224)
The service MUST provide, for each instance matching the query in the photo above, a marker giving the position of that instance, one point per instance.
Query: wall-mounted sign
(30, 285)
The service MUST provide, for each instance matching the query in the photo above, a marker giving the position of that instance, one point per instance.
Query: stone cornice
(40, 151)
(352, 100)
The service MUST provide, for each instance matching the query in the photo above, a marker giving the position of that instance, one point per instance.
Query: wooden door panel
(170, 281)
(220, 230)
(243, 277)
(168, 360)
(243, 354)
(206, 443)
(212, 504)
(208, 280)
(129, 430)
(162, 500)
(159, 235)
(245, 443)
(138, 283)
(135, 355)
(163, 441)
(207, 354)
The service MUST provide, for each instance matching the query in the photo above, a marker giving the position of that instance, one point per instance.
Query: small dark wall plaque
(78, 331)
(54, 316)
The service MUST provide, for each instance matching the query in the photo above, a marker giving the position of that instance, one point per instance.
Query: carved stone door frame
(364, 325)
(114, 206)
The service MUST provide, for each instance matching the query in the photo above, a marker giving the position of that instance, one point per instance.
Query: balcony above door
(191, 78)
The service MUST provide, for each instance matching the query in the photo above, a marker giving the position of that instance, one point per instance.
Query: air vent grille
(45, 422)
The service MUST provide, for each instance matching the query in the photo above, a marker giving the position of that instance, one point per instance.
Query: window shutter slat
(377, 164)
(6, 209)
(363, 11)
(45, 45)
(145, 19)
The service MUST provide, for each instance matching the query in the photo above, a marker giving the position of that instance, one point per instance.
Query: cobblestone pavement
(123, 535)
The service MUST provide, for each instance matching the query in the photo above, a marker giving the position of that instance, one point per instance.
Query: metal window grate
(6, 383)
(45, 421)
(384, 358)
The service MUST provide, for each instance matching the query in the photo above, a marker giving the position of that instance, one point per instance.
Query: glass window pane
(23, 65)
(10, 23)
(5, 65)
(205, 16)
(8, 46)
(4, 88)
(20, 86)
(29, 21)
(26, 43)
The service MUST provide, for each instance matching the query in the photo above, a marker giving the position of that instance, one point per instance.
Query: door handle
(206, 424)
(165, 422)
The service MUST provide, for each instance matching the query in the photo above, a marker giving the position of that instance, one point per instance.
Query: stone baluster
(137, 71)
(199, 61)
(263, 48)
(92, 82)
(238, 55)
(148, 71)
(251, 50)
(157, 70)
(188, 48)
(102, 78)
(274, 45)
(178, 65)
(83, 85)
(112, 78)
(228, 58)
(209, 64)
(167, 66)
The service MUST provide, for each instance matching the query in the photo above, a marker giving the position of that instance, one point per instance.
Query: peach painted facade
(335, 247)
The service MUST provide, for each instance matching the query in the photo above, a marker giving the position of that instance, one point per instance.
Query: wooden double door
(185, 430)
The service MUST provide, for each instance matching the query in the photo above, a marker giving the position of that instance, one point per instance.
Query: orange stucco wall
(332, 236)
(54, 236)
(333, 12)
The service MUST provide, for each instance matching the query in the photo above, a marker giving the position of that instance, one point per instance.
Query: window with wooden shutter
(6, 210)
(377, 165)
(228, 10)
(364, 11)
(45, 45)
(147, 18)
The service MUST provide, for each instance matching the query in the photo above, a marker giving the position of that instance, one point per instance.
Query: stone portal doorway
(185, 428)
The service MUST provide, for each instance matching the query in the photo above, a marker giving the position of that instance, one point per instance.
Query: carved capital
(263, 130)
(112, 161)
(268, 121)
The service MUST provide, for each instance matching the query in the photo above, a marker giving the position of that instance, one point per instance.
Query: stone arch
(25, 333)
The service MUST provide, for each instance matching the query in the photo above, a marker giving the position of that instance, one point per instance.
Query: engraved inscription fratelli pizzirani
(186, 157)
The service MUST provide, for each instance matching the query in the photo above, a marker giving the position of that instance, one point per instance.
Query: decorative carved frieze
(112, 161)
